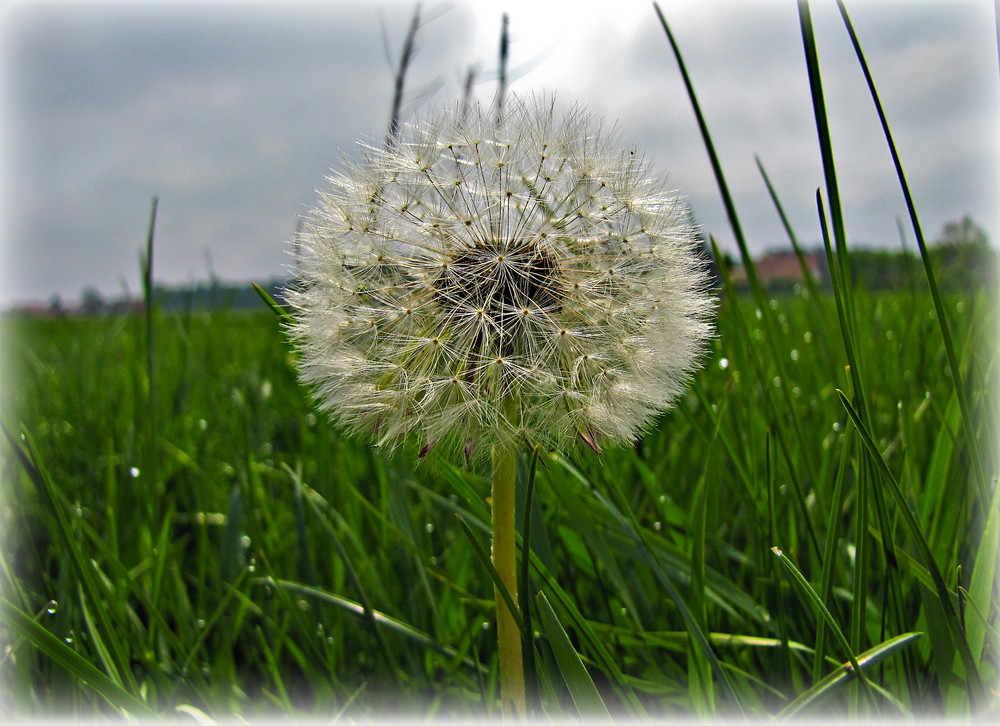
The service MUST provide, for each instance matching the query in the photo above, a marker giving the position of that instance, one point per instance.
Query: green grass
(274, 566)
(812, 530)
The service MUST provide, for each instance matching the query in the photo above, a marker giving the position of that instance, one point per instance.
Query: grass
(812, 530)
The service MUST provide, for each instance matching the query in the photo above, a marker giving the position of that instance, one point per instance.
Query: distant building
(776, 268)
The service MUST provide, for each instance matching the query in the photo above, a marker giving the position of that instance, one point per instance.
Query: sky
(233, 114)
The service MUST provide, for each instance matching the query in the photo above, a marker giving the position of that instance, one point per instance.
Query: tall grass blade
(524, 586)
(484, 558)
(867, 660)
(826, 152)
(352, 573)
(277, 309)
(581, 686)
(634, 530)
(820, 606)
(939, 309)
(25, 626)
(976, 689)
(984, 572)
(25, 452)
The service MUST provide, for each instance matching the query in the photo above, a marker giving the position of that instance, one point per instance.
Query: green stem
(505, 561)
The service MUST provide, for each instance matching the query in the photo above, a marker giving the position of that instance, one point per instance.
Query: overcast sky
(233, 114)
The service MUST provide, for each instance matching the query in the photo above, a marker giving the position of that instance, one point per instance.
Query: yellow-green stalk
(512, 698)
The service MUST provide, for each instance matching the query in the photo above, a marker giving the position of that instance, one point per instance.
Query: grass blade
(867, 660)
(21, 623)
(282, 314)
(976, 689)
(939, 309)
(820, 607)
(581, 686)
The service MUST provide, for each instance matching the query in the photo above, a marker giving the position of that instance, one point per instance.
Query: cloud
(234, 113)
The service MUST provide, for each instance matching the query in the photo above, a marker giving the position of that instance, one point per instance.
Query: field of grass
(813, 529)
(214, 544)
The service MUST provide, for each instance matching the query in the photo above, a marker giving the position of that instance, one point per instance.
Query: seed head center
(498, 278)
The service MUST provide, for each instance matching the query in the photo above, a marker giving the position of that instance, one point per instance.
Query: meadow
(813, 529)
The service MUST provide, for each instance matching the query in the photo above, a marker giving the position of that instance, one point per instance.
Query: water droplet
(134, 472)
(429, 527)
(199, 623)
(723, 363)
(68, 640)
(657, 526)
(486, 625)
(245, 541)
(794, 354)
(807, 336)
(202, 424)
(836, 426)
(52, 607)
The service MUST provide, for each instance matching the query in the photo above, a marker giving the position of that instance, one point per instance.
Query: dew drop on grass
(199, 623)
(836, 426)
(657, 526)
(134, 472)
(245, 541)
(723, 363)
(794, 354)
(52, 607)
(486, 625)
(429, 527)
(202, 424)
(807, 336)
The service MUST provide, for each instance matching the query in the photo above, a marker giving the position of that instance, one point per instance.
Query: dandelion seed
(479, 281)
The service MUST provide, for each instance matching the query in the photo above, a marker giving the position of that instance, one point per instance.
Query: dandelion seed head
(477, 281)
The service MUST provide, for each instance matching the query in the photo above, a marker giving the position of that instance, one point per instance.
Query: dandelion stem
(505, 561)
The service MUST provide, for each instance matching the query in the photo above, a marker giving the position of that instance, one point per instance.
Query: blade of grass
(829, 554)
(581, 686)
(282, 314)
(352, 574)
(387, 621)
(984, 572)
(487, 563)
(796, 248)
(756, 288)
(826, 687)
(634, 530)
(23, 624)
(527, 630)
(976, 689)
(820, 608)
(27, 456)
(939, 309)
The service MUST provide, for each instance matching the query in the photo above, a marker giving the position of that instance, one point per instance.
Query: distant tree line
(961, 257)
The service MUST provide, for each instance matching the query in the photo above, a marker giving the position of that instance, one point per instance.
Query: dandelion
(479, 282)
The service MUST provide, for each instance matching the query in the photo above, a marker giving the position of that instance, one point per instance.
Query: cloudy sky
(233, 113)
